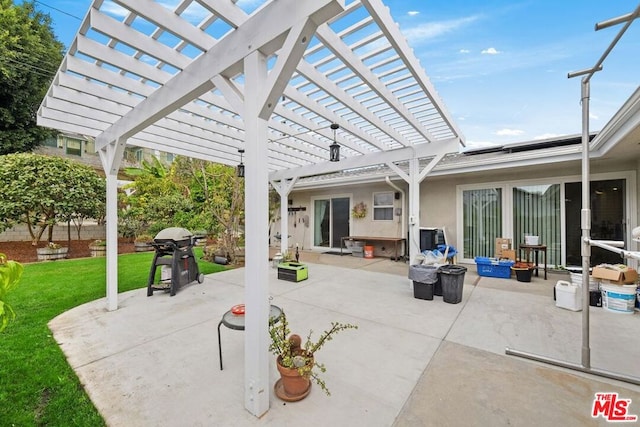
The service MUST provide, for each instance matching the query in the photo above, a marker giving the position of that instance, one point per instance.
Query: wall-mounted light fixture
(334, 149)
(240, 168)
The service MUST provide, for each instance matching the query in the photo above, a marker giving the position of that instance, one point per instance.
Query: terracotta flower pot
(291, 386)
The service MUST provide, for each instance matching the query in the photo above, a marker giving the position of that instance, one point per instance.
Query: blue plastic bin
(491, 267)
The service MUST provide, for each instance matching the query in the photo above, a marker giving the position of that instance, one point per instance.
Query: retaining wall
(20, 233)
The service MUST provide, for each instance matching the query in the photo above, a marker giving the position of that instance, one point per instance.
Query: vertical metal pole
(586, 225)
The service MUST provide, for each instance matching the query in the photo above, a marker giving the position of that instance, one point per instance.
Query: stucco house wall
(438, 199)
(301, 224)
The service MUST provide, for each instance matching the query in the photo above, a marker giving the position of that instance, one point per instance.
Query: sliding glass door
(537, 212)
(482, 219)
(331, 221)
(607, 219)
(550, 210)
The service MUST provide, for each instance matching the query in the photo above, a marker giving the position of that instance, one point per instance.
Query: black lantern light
(334, 149)
(240, 168)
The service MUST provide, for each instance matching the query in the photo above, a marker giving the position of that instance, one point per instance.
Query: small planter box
(48, 254)
(293, 271)
(98, 250)
(142, 246)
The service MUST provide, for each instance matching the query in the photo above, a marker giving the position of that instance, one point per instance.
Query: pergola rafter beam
(330, 87)
(337, 45)
(196, 78)
(168, 21)
(400, 154)
(381, 15)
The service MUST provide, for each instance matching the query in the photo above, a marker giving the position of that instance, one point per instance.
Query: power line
(36, 70)
(31, 57)
(59, 10)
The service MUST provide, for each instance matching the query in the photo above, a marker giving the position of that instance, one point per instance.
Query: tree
(154, 201)
(41, 191)
(191, 193)
(220, 196)
(29, 57)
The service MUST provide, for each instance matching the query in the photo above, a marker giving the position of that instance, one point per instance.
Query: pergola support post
(111, 157)
(283, 189)
(414, 209)
(256, 360)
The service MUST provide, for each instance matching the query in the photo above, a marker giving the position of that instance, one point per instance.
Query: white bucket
(277, 259)
(618, 298)
(576, 279)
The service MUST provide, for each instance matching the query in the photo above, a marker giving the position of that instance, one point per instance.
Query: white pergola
(205, 78)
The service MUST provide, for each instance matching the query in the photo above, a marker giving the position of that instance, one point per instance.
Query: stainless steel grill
(174, 252)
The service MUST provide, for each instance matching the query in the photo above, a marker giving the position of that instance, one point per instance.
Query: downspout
(404, 228)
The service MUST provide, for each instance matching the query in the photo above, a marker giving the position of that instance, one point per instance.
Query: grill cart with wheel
(174, 252)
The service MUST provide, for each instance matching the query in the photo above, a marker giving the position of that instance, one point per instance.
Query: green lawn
(37, 386)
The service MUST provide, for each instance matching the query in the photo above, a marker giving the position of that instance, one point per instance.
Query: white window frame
(374, 207)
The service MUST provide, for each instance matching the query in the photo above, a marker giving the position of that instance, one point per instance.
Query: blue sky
(500, 66)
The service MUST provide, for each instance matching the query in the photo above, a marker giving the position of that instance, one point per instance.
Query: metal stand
(586, 219)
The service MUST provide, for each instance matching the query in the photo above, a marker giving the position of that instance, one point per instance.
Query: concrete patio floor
(154, 361)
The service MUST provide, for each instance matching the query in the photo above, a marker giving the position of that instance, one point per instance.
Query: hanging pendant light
(240, 167)
(334, 149)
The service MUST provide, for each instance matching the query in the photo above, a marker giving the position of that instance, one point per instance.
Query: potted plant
(142, 242)
(10, 273)
(523, 271)
(52, 251)
(296, 361)
(98, 248)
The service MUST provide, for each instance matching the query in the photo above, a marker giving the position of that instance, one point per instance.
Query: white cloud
(509, 132)
(113, 9)
(413, 13)
(194, 13)
(432, 30)
(593, 116)
(490, 51)
(465, 51)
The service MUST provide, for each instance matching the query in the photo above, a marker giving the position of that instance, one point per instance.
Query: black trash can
(452, 279)
(437, 287)
(424, 277)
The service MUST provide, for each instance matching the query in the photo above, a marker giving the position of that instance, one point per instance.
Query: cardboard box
(501, 245)
(509, 254)
(615, 273)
